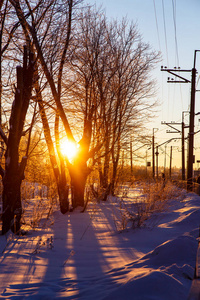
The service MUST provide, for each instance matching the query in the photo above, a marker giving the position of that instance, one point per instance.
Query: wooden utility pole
(170, 164)
(191, 131)
(183, 151)
(153, 153)
(192, 113)
(164, 143)
(153, 157)
(183, 145)
(157, 153)
(131, 157)
(175, 130)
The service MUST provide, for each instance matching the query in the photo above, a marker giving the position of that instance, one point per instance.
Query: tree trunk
(114, 173)
(78, 174)
(106, 171)
(100, 172)
(63, 190)
(113, 180)
(11, 203)
(14, 170)
(60, 177)
(79, 170)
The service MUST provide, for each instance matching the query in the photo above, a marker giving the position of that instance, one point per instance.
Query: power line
(176, 43)
(157, 24)
(163, 9)
(175, 32)
(165, 31)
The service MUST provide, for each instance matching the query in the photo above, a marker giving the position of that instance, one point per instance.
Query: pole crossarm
(173, 72)
(184, 80)
(171, 126)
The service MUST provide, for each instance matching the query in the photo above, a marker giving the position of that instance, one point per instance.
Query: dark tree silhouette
(13, 174)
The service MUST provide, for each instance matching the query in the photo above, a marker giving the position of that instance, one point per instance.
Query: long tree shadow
(89, 261)
(42, 262)
(75, 258)
(73, 267)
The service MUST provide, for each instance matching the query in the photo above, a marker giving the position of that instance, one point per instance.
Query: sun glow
(68, 149)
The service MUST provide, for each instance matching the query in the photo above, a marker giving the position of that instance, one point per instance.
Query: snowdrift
(83, 256)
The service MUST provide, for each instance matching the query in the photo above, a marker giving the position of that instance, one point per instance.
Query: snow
(88, 256)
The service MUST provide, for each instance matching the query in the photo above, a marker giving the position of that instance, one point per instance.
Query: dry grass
(157, 194)
(38, 208)
(154, 197)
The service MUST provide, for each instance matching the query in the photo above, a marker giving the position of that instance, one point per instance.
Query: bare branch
(3, 136)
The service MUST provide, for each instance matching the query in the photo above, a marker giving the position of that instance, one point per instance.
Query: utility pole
(170, 163)
(157, 153)
(192, 113)
(131, 156)
(191, 130)
(165, 143)
(153, 154)
(183, 150)
(153, 157)
(183, 145)
(175, 130)
(165, 157)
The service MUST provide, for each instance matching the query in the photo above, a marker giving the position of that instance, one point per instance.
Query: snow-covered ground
(85, 255)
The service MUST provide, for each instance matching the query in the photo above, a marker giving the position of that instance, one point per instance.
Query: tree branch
(65, 48)
(3, 136)
(2, 171)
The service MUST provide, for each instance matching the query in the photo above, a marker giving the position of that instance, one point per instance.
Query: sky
(171, 27)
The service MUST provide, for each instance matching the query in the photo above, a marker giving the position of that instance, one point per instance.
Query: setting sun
(68, 149)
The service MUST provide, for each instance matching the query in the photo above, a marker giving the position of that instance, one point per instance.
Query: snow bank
(156, 285)
(82, 256)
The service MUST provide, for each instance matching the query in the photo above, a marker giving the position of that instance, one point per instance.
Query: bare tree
(13, 174)
(131, 88)
(111, 65)
(99, 73)
(48, 32)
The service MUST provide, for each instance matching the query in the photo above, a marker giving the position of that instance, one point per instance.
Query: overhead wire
(198, 80)
(157, 25)
(166, 47)
(163, 9)
(159, 43)
(176, 43)
(175, 31)
(176, 53)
